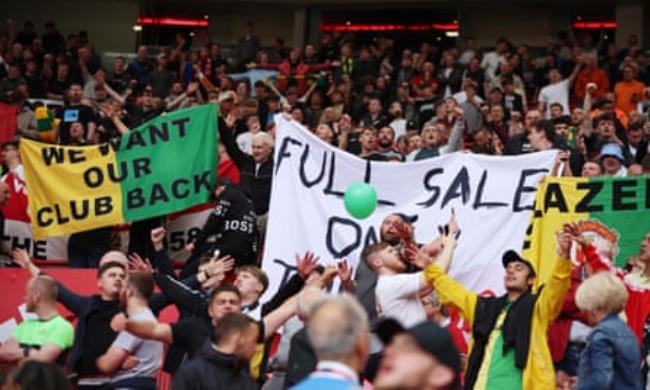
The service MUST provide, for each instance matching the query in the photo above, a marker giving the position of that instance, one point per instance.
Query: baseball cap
(511, 256)
(429, 336)
(612, 150)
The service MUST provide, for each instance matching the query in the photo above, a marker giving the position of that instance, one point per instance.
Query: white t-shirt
(149, 353)
(491, 62)
(398, 297)
(555, 93)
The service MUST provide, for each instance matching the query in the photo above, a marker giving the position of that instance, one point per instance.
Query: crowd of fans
(401, 322)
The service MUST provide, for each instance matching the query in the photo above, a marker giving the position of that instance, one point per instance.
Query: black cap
(511, 256)
(433, 339)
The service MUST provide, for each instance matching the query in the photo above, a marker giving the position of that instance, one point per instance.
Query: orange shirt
(587, 76)
(624, 91)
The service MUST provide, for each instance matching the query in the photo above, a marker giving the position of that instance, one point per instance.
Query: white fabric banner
(492, 198)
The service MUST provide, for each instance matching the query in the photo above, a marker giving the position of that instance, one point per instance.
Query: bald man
(45, 338)
(338, 331)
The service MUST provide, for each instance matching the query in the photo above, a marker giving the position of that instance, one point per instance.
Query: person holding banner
(510, 348)
(256, 170)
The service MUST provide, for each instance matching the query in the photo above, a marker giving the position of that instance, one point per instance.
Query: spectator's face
(635, 136)
(496, 96)
(388, 233)
(142, 53)
(111, 282)
(62, 72)
(577, 116)
(374, 106)
(431, 136)
(562, 129)
(590, 60)
(77, 131)
(556, 111)
(406, 365)
(415, 143)
(554, 76)
(395, 109)
(611, 165)
(591, 169)
(75, 93)
(13, 72)
(324, 132)
(537, 138)
(634, 116)
(310, 51)
(474, 65)
(253, 124)
(386, 137)
(368, 139)
(261, 151)
(517, 277)
(532, 116)
(247, 284)
(177, 88)
(606, 129)
(390, 259)
(297, 115)
(481, 139)
(294, 56)
(10, 153)
(225, 302)
(628, 73)
(497, 113)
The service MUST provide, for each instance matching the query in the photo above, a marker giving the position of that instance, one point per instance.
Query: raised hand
(136, 263)
(307, 264)
(328, 276)
(454, 227)
(422, 258)
(564, 241)
(404, 231)
(344, 270)
(21, 257)
(157, 238)
(192, 87)
(221, 266)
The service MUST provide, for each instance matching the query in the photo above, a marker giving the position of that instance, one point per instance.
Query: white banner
(492, 198)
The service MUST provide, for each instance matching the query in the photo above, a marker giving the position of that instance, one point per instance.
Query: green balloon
(360, 200)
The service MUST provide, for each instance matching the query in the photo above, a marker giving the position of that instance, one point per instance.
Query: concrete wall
(108, 22)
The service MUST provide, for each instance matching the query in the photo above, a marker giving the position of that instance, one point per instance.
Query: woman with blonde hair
(612, 358)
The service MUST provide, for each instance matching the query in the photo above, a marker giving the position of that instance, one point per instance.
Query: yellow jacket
(539, 372)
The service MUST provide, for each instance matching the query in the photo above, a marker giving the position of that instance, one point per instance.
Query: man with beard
(146, 354)
(44, 338)
(93, 334)
(385, 141)
(76, 111)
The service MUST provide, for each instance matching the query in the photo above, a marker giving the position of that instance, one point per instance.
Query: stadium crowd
(400, 321)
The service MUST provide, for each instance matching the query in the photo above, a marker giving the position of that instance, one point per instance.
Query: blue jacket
(612, 358)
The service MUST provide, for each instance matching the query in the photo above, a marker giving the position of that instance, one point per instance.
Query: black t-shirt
(98, 336)
(76, 113)
(190, 334)
(234, 223)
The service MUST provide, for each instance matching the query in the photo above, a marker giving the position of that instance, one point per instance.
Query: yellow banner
(70, 170)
